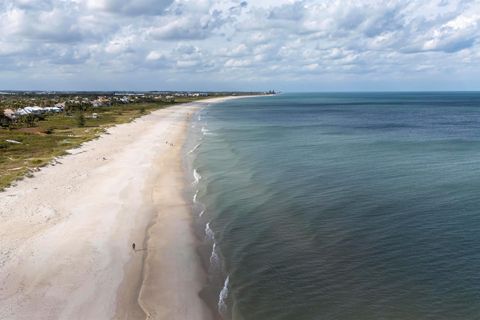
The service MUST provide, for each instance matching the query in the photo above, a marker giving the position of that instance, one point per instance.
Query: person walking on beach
(133, 246)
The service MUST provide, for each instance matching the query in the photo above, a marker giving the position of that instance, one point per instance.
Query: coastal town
(38, 127)
(17, 108)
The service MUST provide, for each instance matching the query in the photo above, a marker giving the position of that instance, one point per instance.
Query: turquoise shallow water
(341, 206)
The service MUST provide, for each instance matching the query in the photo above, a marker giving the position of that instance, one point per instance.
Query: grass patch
(51, 137)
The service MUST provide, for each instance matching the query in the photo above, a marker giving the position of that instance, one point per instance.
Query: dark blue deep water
(342, 206)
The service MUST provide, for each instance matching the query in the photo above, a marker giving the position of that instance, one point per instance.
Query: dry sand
(66, 235)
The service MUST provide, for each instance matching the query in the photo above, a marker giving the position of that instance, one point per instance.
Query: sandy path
(66, 234)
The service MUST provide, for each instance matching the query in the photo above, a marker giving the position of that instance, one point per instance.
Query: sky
(287, 45)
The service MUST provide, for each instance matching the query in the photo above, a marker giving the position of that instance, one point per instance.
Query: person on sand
(133, 246)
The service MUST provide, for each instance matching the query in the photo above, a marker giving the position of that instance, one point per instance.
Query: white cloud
(154, 56)
(455, 35)
(130, 7)
(281, 41)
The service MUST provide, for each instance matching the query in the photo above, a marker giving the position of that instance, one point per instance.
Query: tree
(80, 119)
(29, 120)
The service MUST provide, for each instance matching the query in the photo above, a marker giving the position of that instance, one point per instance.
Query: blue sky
(311, 45)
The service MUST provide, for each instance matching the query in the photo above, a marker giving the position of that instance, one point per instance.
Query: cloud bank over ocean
(234, 44)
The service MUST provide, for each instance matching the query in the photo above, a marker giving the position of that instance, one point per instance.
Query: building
(7, 117)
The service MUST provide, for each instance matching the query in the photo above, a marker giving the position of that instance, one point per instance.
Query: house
(35, 110)
(106, 101)
(7, 117)
(21, 112)
(96, 103)
(60, 105)
(124, 99)
(100, 102)
(9, 113)
(53, 109)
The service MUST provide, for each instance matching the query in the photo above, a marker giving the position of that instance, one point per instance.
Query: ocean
(342, 206)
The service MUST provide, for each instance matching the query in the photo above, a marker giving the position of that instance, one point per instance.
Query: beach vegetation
(30, 141)
(80, 119)
(33, 142)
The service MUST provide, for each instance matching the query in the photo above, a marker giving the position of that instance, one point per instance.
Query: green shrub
(29, 120)
(80, 119)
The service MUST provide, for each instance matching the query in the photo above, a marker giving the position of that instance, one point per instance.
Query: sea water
(340, 206)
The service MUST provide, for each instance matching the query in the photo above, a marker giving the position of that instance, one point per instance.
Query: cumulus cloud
(130, 7)
(457, 34)
(272, 40)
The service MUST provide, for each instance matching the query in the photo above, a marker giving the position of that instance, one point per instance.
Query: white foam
(196, 176)
(207, 132)
(195, 148)
(222, 305)
(209, 232)
(195, 197)
(201, 213)
(214, 258)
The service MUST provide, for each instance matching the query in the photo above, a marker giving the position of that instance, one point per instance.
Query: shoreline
(66, 234)
(204, 243)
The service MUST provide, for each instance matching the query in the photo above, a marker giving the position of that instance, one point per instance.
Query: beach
(66, 234)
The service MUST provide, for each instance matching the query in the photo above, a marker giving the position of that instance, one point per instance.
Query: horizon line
(240, 91)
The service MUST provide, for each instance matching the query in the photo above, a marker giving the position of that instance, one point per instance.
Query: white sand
(66, 234)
